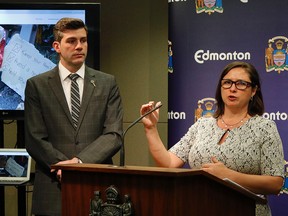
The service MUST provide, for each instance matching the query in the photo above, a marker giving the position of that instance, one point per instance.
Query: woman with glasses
(236, 143)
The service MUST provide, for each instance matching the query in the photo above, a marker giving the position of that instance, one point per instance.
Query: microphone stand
(122, 150)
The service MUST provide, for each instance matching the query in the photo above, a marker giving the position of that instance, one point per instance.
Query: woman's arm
(160, 154)
(259, 184)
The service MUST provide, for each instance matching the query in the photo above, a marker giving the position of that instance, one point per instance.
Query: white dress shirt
(66, 82)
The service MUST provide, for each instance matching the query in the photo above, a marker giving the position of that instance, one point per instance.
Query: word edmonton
(278, 116)
(175, 1)
(201, 56)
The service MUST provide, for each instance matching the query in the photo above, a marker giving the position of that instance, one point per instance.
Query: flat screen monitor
(26, 36)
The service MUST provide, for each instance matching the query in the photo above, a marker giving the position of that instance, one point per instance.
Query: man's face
(72, 49)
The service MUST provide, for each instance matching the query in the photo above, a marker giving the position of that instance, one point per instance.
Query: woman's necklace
(230, 126)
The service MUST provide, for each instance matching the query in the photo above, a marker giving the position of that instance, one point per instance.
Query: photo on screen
(26, 37)
(25, 50)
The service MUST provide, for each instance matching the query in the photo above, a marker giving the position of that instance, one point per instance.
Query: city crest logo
(205, 108)
(284, 189)
(170, 57)
(209, 6)
(276, 54)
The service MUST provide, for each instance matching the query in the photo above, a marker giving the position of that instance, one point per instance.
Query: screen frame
(92, 21)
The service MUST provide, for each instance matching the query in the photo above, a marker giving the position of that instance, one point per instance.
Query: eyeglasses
(240, 84)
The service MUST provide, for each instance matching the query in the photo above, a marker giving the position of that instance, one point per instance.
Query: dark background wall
(133, 47)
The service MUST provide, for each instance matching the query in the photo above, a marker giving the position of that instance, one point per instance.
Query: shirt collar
(64, 72)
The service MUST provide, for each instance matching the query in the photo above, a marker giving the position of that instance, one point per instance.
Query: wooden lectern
(155, 191)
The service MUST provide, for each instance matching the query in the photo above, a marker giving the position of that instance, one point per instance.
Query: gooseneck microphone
(122, 150)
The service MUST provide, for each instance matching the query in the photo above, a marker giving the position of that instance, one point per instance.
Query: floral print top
(253, 148)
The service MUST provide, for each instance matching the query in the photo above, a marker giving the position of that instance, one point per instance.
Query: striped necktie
(75, 99)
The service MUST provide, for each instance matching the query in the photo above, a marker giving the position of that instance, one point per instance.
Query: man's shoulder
(97, 73)
(45, 74)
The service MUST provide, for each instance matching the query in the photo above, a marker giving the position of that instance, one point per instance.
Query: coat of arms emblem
(276, 54)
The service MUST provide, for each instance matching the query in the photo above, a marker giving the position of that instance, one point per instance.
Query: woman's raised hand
(150, 120)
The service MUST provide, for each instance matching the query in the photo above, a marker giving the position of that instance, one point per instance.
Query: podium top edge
(102, 167)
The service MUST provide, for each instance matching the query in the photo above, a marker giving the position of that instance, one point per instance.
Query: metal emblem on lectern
(112, 206)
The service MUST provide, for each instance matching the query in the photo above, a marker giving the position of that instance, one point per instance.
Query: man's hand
(59, 172)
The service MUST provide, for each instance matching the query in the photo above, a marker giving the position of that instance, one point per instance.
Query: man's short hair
(67, 24)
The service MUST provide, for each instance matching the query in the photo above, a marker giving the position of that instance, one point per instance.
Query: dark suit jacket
(51, 137)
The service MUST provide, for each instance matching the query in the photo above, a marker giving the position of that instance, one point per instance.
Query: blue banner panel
(206, 35)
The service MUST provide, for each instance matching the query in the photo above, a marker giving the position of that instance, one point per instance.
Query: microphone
(122, 150)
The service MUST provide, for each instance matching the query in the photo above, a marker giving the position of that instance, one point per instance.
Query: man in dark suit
(52, 135)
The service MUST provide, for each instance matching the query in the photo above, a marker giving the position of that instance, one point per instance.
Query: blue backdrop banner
(206, 35)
